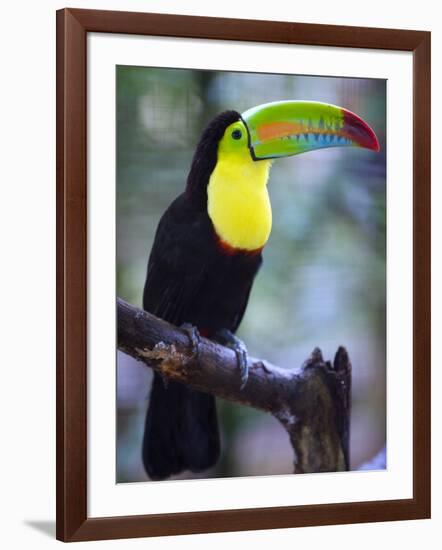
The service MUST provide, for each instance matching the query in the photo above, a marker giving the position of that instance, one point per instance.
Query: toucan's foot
(194, 337)
(228, 339)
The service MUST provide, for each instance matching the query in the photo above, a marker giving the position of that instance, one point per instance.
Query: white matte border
(105, 497)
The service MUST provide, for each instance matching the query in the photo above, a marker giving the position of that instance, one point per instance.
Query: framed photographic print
(243, 280)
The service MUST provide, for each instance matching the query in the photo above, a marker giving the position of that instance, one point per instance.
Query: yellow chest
(238, 202)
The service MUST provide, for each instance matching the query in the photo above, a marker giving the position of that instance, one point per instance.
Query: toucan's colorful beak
(286, 128)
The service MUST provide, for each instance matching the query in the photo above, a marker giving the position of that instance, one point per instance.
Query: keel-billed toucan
(207, 251)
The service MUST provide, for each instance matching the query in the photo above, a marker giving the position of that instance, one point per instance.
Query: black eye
(236, 134)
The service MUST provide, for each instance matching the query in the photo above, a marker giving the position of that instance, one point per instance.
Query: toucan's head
(231, 163)
(279, 129)
(285, 128)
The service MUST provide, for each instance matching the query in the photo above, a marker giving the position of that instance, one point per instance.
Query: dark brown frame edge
(72, 28)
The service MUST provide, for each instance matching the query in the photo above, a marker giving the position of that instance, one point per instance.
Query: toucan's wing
(177, 267)
(181, 430)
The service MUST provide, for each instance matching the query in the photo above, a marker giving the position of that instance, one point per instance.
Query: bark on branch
(311, 402)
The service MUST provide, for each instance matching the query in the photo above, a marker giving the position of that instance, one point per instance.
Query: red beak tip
(372, 140)
(359, 131)
(376, 147)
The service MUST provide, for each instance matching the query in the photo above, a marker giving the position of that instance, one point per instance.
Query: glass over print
(322, 281)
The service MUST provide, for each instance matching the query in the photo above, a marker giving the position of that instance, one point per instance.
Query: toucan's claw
(228, 339)
(241, 356)
(194, 337)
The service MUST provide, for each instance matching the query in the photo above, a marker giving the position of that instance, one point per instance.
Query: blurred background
(323, 278)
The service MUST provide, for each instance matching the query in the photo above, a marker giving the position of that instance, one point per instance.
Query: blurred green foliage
(323, 279)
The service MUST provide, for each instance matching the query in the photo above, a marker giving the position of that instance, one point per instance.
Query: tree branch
(311, 402)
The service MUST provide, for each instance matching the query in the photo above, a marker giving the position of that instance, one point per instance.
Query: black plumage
(192, 278)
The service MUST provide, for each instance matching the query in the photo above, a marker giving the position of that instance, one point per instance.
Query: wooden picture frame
(73, 523)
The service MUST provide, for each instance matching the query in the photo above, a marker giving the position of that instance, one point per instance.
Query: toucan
(208, 249)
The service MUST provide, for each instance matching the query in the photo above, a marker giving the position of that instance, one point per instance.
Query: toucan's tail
(181, 430)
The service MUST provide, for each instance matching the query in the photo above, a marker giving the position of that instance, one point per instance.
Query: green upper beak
(286, 128)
